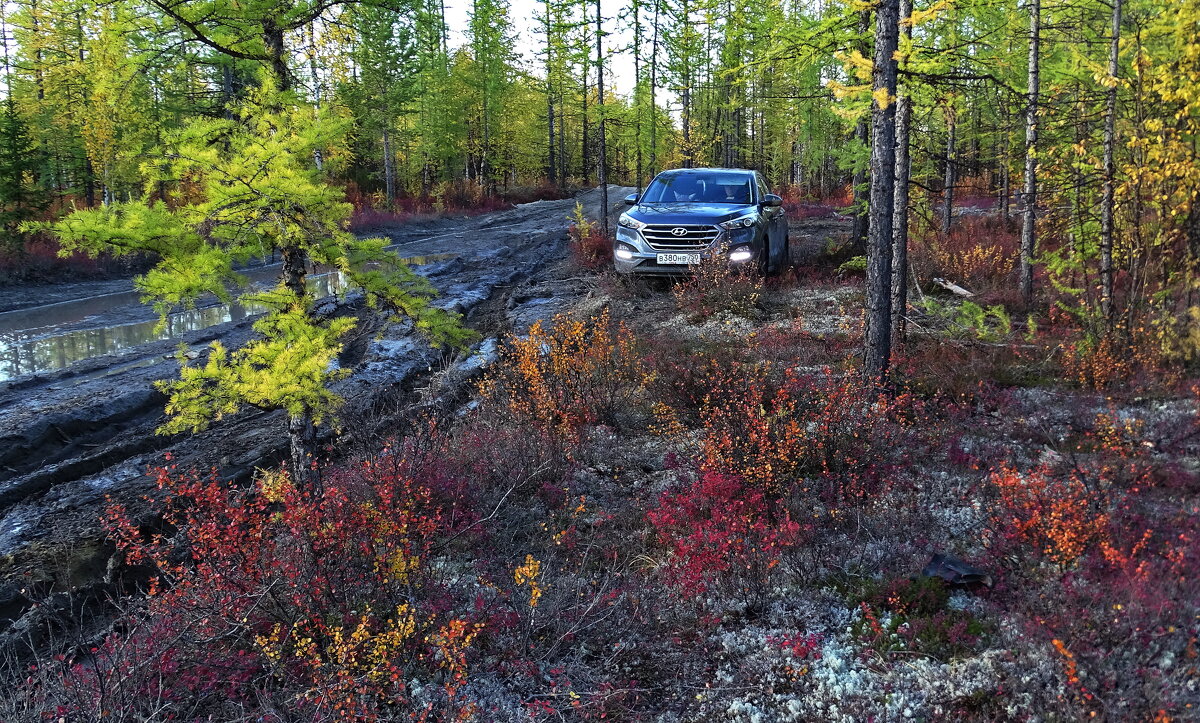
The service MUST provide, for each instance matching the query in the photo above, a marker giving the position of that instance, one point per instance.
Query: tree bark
(602, 171)
(653, 94)
(551, 169)
(584, 145)
(1108, 202)
(637, 82)
(389, 166)
(858, 234)
(948, 177)
(302, 432)
(273, 39)
(1028, 227)
(877, 353)
(900, 203)
(302, 444)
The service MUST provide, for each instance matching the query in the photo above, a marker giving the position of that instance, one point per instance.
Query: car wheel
(787, 253)
(772, 268)
(764, 259)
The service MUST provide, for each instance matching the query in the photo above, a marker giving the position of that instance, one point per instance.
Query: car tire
(769, 268)
(764, 260)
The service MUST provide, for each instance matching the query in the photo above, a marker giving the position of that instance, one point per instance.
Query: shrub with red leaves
(283, 601)
(721, 533)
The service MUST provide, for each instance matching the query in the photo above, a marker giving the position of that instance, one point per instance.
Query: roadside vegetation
(945, 468)
(651, 509)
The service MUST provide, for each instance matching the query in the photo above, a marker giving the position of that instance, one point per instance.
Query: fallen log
(953, 287)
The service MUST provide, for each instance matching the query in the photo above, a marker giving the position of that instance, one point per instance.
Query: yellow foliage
(882, 98)
(527, 574)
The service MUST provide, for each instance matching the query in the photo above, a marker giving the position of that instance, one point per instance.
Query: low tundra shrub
(277, 602)
(822, 432)
(570, 374)
(1055, 517)
(723, 536)
(716, 286)
(913, 615)
(590, 249)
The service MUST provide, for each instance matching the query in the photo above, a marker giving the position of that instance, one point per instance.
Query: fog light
(742, 254)
(624, 253)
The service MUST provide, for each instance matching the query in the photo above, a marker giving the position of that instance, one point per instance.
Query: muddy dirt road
(78, 410)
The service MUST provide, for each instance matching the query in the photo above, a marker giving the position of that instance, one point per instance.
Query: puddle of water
(30, 342)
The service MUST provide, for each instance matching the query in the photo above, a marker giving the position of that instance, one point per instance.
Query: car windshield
(700, 187)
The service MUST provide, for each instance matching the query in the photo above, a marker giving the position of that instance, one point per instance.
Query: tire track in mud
(71, 437)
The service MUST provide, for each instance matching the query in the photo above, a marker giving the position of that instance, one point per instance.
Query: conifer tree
(252, 190)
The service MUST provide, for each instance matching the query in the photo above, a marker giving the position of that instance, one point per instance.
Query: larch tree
(1029, 200)
(1108, 202)
(899, 301)
(246, 187)
(878, 338)
(602, 166)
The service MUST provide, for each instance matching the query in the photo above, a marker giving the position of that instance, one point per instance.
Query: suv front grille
(663, 237)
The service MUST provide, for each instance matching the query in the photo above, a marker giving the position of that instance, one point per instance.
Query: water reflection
(42, 348)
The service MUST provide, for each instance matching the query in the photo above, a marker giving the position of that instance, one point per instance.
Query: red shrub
(980, 253)
(591, 250)
(803, 204)
(282, 596)
(722, 533)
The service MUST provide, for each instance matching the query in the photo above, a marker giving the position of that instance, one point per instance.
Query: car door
(775, 221)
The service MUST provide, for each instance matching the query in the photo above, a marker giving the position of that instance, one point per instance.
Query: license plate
(668, 259)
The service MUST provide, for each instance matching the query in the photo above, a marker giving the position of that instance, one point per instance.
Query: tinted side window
(762, 186)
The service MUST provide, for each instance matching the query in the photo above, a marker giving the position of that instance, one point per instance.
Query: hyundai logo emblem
(679, 231)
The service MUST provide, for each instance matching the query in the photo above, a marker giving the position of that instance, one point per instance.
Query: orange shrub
(559, 379)
(823, 427)
(979, 253)
(1056, 517)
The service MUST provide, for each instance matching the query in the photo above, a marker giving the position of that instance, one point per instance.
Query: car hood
(684, 213)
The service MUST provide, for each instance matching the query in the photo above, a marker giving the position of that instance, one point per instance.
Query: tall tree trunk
(584, 145)
(389, 165)
(564, 170)
(900, 208)
(1110, 137)
(602, 170)
(302, 432)
(653, 93)
(688, 154)
(1005, 172)
(637, 82)
(948, 177)
(551, 162)
(858, 234)
(551, 170)
(318, 156)
(273, 39)
(877, 353)
(1028, 228)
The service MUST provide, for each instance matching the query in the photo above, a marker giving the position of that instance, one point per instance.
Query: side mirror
(772, 201)
(631, 199)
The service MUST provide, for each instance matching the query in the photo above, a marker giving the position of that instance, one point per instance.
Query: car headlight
(630, 222)
(624, 251)
(741, 253)
(740, 222)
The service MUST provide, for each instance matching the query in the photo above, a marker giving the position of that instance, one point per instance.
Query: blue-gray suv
(690, 214)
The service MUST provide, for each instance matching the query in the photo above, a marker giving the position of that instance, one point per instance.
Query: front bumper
(645, 257)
